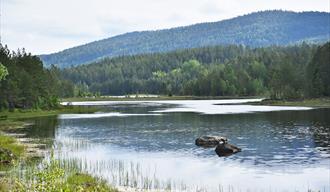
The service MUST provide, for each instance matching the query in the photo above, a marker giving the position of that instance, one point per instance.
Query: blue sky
(45, 26)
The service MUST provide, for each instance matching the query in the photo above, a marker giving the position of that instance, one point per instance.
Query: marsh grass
(50, 176)
(11, 144)
(10, 152)
(19, 173)
(123, 174)
(128, 175)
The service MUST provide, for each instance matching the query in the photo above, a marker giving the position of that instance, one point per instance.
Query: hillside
(256, 29)
(209, 71)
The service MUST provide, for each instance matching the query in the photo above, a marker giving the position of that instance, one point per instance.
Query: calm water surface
(151, 145)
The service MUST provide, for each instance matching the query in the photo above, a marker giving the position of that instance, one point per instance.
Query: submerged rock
(226, 149)
(210, 141)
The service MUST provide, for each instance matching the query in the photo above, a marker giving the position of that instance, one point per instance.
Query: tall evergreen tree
(318, 72)
(27, 84)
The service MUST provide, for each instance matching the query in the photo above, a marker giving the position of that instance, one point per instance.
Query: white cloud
(44, 26)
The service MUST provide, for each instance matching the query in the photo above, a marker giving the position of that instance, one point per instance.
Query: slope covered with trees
(280, 72)
(256, 30)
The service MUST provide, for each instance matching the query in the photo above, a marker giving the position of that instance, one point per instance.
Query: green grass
(24, 114)
(316, 102)
(10, 143)
(51, 176)
(10, 152)
(86, 182)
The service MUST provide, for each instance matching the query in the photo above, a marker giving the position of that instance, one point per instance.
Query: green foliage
(3, 72)
(47, 179)
(273, 71)
(10, 143)
(84, 182)
(10, 151)
(53, 178)
(257, 29)
(28, 84)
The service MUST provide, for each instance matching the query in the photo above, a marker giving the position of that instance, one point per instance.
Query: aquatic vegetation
(10, 151)
(50, 176)
(8, 125)
(20, 172)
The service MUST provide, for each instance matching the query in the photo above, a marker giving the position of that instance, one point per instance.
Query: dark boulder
(226, 149)
(210, 141)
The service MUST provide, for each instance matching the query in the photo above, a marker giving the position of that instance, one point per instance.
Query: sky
(47, 26)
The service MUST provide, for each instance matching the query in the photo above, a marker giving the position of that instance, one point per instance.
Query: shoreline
(16, 149)
(313, 102)
(323, 102)
(159, 98)
(26, 114)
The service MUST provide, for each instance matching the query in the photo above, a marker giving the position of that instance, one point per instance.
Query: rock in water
(226, 149)
(210, 141)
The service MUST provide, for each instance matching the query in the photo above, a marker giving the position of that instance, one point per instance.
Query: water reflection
(41, 127)
(277, 146)
(275, 138)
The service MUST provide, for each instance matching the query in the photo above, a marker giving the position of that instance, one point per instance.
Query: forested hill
(256, 29)
(281, 72)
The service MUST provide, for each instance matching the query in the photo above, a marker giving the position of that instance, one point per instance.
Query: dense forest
(255, 30)
(280, 72)
(318, 72)
(25, 83)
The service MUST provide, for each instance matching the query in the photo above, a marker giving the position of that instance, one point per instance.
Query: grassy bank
(315, 102)
(22, 114)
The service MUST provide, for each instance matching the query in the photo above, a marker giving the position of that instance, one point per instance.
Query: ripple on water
(281, 146)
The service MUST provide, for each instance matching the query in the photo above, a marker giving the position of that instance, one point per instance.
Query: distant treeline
(280, 72)
(25, 83)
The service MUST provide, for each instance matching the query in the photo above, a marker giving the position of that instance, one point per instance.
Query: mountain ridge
(256, 29)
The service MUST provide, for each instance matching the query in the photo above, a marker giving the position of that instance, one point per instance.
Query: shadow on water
(42, 127)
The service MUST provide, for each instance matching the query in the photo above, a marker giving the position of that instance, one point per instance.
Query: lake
(151, 145)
